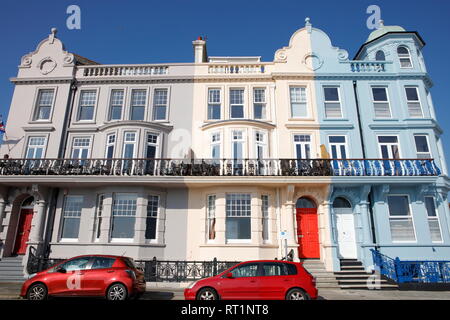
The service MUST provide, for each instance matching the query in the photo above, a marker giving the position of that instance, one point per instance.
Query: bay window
(265, 217)
(422, 148)
(71, 215)
(123, 216)
(211, 217)
(433, 220)
(152, 217)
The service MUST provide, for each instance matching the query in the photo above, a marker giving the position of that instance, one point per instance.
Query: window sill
(335, 119)
(68, 240)
(386, 119)
(122, 240)
(301, 119)
(40, 121)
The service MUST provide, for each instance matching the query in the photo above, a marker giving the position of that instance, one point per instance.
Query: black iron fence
(37, 263)
(182, 271)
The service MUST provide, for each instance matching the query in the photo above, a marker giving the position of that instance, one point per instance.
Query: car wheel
(37, 291)
(207, 294)
(117, 292)
(297, 294)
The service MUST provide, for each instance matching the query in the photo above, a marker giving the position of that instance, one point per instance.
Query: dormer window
(404, 57)
(379, 56)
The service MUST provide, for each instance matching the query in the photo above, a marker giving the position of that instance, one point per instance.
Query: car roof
(99, 255)
(259, 261)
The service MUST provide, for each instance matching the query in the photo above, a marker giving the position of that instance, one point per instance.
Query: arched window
(340, 202)
(305, 203)
(379, 56)
(404, 57)
(28, 202)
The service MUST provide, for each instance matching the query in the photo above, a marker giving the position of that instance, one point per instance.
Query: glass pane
(398, 205)
(151, 152)
(110, 152)
(379, 56)
(402, 50)
(402, 230)
(123, 227)
(150, 228)
(411, 94)
(340, 202)
(70, 228)
(429, 205)
(298, 110)
(331, 94)
(137, 113)
(421, 143)
(237, 96)
(305, 203)
(237, 111)
(435, 230)
(333, 110)
(87, 113)
(274, 269)
(214, 111)
(336, 139)
(102, 263)
(44, 113)
(388, 139)
(76, 264)
(343, 152)
(259, 111)
(238, 228)
(159, 113)
(215, 151)
(379, 94)
(116, 113)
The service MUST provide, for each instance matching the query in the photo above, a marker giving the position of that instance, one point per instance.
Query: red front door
(308, 233)
(23, 231)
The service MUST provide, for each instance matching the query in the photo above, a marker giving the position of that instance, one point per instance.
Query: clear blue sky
(161, 31)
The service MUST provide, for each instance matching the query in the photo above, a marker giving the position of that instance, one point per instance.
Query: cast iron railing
(182, 271)
(220, 167)
(37, 263)
(412, 271)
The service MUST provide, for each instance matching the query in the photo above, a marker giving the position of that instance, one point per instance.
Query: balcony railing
(236, 69)
(220, 167)
(124, 70)
(368, 66)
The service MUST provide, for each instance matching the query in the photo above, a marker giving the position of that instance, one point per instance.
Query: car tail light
(314, 281)
(131, 274)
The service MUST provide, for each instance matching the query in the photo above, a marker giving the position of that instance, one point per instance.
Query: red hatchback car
(256, 280)
(113, 277)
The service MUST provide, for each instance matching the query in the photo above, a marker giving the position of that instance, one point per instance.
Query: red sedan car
(256, 280)
(113, 277)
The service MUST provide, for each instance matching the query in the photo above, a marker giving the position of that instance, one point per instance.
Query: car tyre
(207, 294)
(116, 292)
(297, 294)
(38, 292)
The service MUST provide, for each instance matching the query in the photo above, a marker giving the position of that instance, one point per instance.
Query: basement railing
(220, 167)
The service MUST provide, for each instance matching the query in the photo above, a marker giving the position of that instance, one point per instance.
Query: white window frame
(265, 216)
(381, 102)
(125, 240)
(157, 218)
(215, 143)
(88, 147)
(37, 106)
(235, 104)
(131, 105)
(434, 218)
(263, 144)
(404, 56)
(98, 218)
(240, 216)
(108, 144)
(428, 145)
(135, 142)
(94, 111)
(211, 217)
(389, 144)
(304, 87)
(63, 217)
(122, 106)
(325, 102)
(154, 105)
(414, 101)
(214, 104)
(410, 216)
(263, 103)
(338, 146)
(303, 145)
(156, 144)
(44, 146)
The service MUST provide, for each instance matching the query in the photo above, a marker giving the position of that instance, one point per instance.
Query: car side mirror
(61, 270)
(229, 275)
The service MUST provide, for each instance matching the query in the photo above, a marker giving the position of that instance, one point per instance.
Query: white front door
(346, 239)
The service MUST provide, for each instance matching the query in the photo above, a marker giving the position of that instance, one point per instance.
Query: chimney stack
(200, 54)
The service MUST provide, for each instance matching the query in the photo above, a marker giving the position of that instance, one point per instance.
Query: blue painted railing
(412, 271)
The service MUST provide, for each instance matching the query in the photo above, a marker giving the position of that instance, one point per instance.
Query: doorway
(307, 229)
(345, 228)
(23, 227)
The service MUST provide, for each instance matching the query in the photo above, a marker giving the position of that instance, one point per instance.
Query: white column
(141, 216)
(256, 220)
(220, 219)
(2, 212)
(36, 235)
(106, 218)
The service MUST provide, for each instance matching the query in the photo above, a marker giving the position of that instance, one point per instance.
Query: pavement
(163, 291)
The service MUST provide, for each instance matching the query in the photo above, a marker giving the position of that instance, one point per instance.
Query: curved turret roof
(383, 30)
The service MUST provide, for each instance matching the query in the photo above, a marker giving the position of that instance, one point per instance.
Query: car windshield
(75, 264)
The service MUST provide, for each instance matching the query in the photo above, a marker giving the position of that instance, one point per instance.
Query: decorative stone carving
(69, 58)
(312, 61)
(280, 55)
(26, 61)
(47, 65)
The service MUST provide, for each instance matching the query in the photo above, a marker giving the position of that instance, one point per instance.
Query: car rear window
(130, 263)
(292, 270)
(102, 263)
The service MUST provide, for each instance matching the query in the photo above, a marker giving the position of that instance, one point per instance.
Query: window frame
(249, 216)
(73, 147)
(410, 216)
(302, 143)
(390, 144)
(135, 217)
(36, 108)
(404, 56)
(386, 88)
(230, 104)
(325, 101)
(110, 104)
(153, 113)
(109, 144)
(157, 219)
(209, 103)
(338, 144)
(132, 106)
(435, 218)
(306, 102)
(413, 101)
(98, 216)
(94, 111)
(211, 218)
(265, 217)
(44, 146)
(428, 146)
(216, 143)
(264, 104)
(63, 218)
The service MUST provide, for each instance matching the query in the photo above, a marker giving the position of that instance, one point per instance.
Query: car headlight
(32, 275)
(192, 284)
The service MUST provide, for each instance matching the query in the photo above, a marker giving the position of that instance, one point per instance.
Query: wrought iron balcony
(220, 167)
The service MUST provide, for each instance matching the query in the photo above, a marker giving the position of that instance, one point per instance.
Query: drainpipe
(363, 147)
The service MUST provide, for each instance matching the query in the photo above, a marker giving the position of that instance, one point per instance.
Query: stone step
(12, 278)
(11, 272)
(353, 276)
(351, 272)
(364, 287)
(327, 286)
(352, 268)
(351, 263)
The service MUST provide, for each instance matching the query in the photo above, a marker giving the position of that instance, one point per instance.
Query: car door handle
(110, 271)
